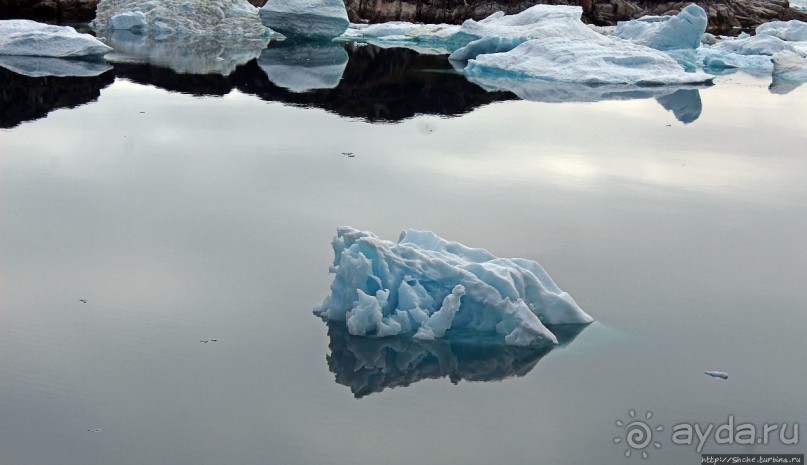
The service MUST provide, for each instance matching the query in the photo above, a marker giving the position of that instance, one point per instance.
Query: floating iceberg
(423, 285)
(602, 61)
(423, 38)
(308, 19)
(225, 19)
(791, 31)
(789, 66)
(58, 67)
(751, 53)
(754, 45)
(186, 54)
(371, 365)
(301, 67)
(683, 31)
(29, 38)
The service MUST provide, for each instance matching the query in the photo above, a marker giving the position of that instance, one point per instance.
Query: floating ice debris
(791, 31)
(308, 19)
(84, 301)
(161, 18)
(789, 66)
(682, 31)
(29, 38)
(604, 61)
(187, 54)
(304, 66)
(718, 374)
(424, 285)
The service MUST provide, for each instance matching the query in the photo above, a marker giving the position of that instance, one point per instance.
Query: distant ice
(29, 38)
(424, 285)
(799, 5)
(223, 19)
(791, 31)
(186, 54)
(718, 374)
(305, 66)
(751, 52)
(307, 19)
(682, 31)
(59, 67)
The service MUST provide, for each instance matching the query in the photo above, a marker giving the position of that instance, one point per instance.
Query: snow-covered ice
(682, 31)
(30, 38)
(186, 54)
(301, 67)
(223, 19)
(424, 285)
(308, 19)
(58, 67)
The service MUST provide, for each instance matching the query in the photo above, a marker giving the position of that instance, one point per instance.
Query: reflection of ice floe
(29, 38)
(683, 101)
(301, 67)
(309, 19)
(185, 55)
(59, 67)
(232, 19)
(423, 285)
(370, 365)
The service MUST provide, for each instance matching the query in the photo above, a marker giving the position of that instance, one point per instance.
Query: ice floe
(308, 19)
(423, 285)
(682, 31)
(789, 66)
(791, 31)
(224, 19)
(29, 38)
(305, 66)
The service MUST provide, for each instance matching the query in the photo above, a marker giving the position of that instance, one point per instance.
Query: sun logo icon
(638, 434)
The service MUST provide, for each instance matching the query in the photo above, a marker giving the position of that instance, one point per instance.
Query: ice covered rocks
(217, 18)
(683, 31)
(29, 38)
(424, 285)
(306, 19)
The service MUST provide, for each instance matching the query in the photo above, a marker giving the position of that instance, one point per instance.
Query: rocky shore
(725, 16)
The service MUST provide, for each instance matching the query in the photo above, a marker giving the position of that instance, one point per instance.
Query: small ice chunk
(424, 284)
(307, 19)
(708, 39)
(789, 66)
(718, 374)
(683, 31)
(30, 38)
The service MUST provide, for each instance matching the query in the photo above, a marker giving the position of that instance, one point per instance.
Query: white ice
(789, 66)
(682, 31)
(223, 19)
(30, 38)
(307, 19)
(799, 5)
(424, 285)
(751, 53)
(791, 31)
(305, 66)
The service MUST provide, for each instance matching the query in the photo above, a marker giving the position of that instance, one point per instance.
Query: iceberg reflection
(304, 66)
(184, 55)
(56, 67)
(369, 365)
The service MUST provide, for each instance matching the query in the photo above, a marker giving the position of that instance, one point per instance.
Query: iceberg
(301, 67)
(789, 66)
(223, 19)
(751, 53)
(437, 39)
(791, 31)
(799, 5)
(602, 61)
(424, 285)
(754, 45)
(186, 54)
(306, 19)
(371, 365)
(683, 31)
(30, 38)
(57, 67)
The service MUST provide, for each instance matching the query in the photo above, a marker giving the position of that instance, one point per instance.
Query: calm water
(185, 208)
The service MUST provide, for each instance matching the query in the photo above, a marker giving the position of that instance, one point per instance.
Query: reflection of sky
(211, 218)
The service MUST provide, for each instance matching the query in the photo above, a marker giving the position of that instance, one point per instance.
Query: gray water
(182, 218)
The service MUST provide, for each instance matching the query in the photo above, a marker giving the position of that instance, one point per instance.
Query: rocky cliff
(725, 16)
